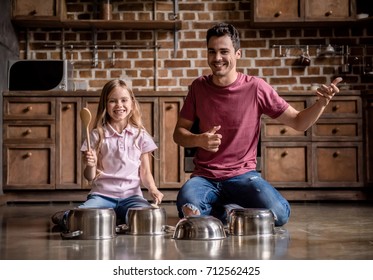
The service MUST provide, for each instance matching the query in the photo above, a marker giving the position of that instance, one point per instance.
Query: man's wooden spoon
(85, 116)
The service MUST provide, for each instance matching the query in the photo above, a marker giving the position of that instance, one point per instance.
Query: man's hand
(211, 140)
(327, 92)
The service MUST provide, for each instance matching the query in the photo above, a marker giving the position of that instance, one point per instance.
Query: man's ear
(238, 53)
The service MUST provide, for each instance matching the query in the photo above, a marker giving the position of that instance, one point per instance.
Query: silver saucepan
(146, 221)
(251, 221)
(90, 223)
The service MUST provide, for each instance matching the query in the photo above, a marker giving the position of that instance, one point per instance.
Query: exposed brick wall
(175, 71)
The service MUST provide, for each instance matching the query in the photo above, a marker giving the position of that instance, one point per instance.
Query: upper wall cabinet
(53, 14)
(286, 12)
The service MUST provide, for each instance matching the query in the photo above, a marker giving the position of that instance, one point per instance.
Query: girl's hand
(90, 158)
(156, 195)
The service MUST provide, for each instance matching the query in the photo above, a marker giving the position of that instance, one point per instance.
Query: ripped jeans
(216, 198)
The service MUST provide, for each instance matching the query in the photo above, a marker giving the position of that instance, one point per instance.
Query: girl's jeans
(248, 190)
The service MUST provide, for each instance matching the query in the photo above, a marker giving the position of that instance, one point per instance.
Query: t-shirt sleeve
(270, 102)
(147, 143)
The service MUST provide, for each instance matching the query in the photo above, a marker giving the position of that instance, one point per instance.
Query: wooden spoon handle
(88, 140)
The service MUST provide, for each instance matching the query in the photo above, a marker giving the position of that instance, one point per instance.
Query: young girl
(119, 160)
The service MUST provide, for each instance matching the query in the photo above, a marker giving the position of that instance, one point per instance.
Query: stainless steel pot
(199, 228)
(90, 223)
(146, 221)
(251, 221)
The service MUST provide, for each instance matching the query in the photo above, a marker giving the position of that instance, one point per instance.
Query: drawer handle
(335, 130)
(28, 109)
(170, 107)
(284, 154)
(329, 13)
(279, 13)
(283, 131)
(67, 107)
(28, 155)
(27, 132)
(336, 107)
(336, 154)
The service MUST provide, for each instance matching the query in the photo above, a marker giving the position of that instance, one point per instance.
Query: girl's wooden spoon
(85, 116)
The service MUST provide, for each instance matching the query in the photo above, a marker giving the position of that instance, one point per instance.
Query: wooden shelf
(54, 22)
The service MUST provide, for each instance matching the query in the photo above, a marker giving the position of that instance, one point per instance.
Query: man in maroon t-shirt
(228, 106)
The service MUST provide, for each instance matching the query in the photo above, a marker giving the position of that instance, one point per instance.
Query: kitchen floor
(316, 231)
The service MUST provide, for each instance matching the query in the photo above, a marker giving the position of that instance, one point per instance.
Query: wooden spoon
(85, 116)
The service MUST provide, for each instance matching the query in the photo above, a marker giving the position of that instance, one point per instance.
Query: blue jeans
(248, 190)
(120, 205)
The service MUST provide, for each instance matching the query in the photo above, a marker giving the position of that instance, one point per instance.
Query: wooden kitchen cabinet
(302, 11)
(43, 134)
(327, 155)
(28, 143)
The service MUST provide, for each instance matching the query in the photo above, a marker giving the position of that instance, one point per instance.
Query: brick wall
(164, 69)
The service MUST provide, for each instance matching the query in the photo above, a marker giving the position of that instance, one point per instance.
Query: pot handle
(71, 234)
(169, 229)
(121, 228)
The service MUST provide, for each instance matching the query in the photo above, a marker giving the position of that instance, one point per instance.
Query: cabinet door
(171, 155)
(329, 10)
(286, 164)
(92, 104)
(338, 164)
(276, 10)
(150, 116)
(68, 170)
(28, 166)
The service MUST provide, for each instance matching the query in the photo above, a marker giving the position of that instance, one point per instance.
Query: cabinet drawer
(40, 132)
(286, 164)
(330, 10)
(343, 107)
(30, 108)
(339, 164)
(33, 164)
(279, 131)
(338, 130)
(276, 11)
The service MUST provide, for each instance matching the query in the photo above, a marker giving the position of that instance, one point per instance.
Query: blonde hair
(102, 117)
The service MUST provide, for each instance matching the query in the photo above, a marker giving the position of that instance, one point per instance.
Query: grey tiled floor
(316, 231)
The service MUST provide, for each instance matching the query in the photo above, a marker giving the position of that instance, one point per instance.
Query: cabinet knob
(27, 132)
(335, 130)
(28, 109)
(336, 107)
(170, 107)
(279, 13)
(336, 154)
(28, 155)
(67, 107)
(283, 131)
(284, 154)
(329, 13)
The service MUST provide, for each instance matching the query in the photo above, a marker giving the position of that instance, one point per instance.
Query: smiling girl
(119, 162)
